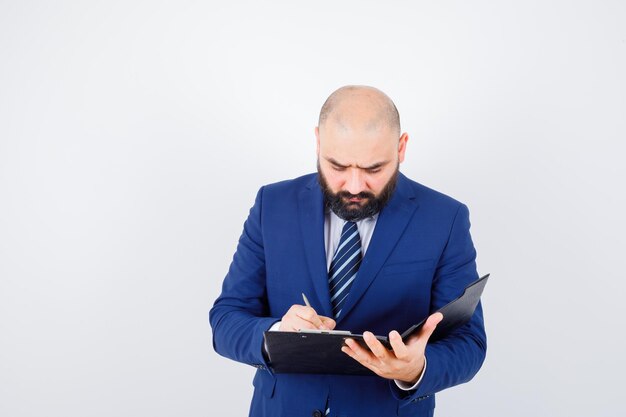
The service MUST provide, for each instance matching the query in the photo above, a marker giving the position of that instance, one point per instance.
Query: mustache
(362, 194)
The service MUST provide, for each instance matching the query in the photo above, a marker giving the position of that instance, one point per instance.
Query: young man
(374, 251)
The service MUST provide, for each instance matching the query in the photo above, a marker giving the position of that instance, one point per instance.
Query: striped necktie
(344, 266)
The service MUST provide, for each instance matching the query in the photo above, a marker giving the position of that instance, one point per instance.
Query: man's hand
(303, 317)
(403, 363)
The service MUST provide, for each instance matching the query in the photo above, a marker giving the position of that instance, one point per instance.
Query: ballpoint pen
(306, 300)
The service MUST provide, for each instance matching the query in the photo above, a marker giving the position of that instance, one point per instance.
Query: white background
(135, 134)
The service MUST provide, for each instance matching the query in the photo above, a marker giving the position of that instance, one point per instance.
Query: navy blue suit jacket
(420, 257)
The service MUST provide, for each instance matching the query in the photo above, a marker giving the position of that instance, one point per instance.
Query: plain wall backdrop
(135, 134)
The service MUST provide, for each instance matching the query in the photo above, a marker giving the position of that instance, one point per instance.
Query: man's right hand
(303, 317)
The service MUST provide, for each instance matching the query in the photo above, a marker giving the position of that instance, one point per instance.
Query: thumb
(431, 324)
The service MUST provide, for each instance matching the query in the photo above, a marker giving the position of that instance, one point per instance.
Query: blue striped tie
(344, 266)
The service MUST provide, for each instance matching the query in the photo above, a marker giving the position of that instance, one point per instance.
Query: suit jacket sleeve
(240, 314)
(458, 357)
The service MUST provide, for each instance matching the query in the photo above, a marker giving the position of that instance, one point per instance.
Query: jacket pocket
(408, 267)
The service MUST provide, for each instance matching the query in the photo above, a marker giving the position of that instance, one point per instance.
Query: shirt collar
(337, 218)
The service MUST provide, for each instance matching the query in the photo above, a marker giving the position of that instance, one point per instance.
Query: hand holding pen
(305, 317)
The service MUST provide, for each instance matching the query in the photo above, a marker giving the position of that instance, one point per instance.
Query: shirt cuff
(275, 327)
(405, 386)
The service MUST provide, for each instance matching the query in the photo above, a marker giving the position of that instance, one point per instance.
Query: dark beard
(353, 212)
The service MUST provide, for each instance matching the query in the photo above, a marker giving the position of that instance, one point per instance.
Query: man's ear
(402, 146)
(317, 140)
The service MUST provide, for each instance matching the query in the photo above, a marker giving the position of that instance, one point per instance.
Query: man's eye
(336, 168)
(373, 171)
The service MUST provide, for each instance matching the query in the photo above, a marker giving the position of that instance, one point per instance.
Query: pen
(325, 329)
(306, 300)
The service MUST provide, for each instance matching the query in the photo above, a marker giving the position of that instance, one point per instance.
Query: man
(374, 251)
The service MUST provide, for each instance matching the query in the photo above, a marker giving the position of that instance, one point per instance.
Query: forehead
(361, 145)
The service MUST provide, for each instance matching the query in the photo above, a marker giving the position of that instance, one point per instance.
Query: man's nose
(356, 181)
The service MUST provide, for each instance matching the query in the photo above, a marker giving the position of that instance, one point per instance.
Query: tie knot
(348, 226)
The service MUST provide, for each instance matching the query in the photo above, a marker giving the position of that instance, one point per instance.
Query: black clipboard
(319, 352)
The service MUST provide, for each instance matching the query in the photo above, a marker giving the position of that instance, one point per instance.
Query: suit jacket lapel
(311, 210)
(390, 225)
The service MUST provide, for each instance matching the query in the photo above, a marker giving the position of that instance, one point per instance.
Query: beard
(352, 211)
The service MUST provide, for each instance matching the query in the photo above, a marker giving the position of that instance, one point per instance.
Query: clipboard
(319, 351)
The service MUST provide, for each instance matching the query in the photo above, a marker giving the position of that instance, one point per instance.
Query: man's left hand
(404, 363)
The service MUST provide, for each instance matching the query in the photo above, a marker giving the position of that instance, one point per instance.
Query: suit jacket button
(317, 413)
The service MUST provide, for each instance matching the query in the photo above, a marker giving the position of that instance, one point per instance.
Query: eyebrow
(373, 166)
